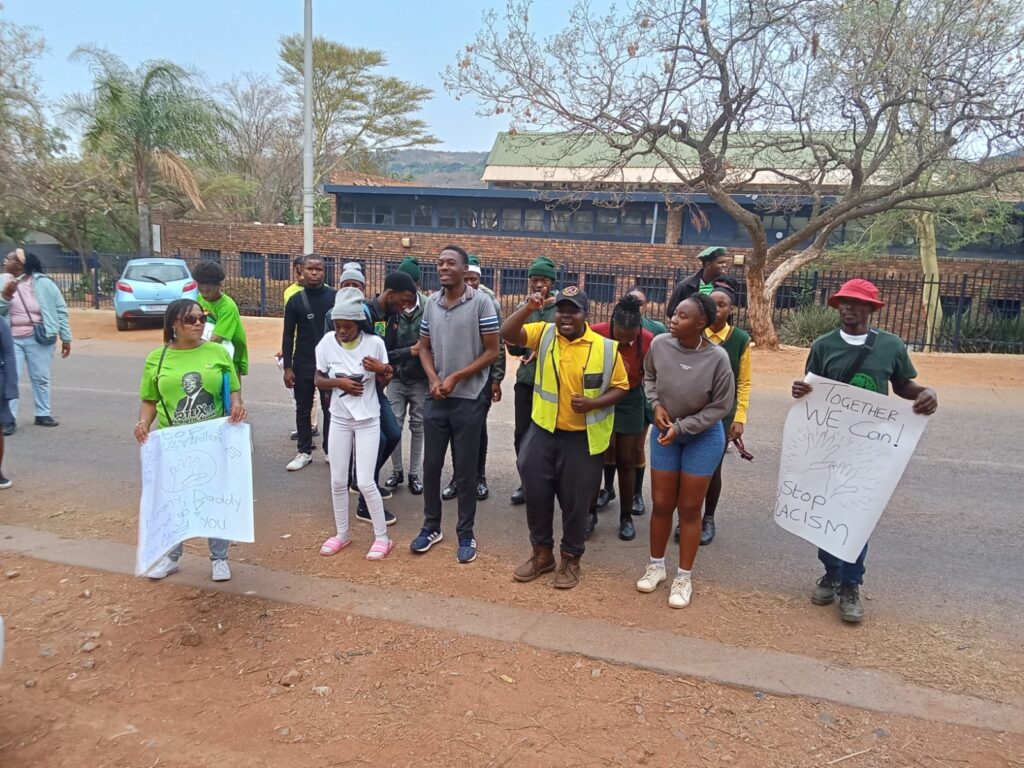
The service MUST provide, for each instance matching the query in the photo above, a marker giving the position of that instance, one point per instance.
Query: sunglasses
(192, 319)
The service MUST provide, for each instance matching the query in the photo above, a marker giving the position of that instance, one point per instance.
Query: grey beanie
(348, 305)
(353, 271)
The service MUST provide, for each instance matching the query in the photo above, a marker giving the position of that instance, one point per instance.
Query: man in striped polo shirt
(458, 344)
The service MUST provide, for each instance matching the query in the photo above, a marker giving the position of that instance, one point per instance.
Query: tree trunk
(142, 204)
(924, 226)
(759, 309)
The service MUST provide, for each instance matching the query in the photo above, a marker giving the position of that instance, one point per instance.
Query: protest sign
(844, 450)
(196, 481)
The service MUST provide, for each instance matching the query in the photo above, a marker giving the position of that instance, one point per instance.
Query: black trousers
(558, 465)
(481, 464)
(455, 421)
(523, 399)
(305, 396)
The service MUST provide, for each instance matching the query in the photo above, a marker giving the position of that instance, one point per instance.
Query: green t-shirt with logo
(188, 386)
(888, 362)
(227, 323)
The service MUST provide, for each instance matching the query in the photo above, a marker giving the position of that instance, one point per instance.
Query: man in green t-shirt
(224, 322)
(870, 359)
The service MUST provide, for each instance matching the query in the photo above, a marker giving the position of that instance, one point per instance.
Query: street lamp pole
(307, 132)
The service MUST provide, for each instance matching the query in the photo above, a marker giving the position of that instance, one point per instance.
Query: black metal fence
(981, 312)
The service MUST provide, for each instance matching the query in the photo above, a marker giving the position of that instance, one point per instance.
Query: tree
(148, 121)
(23, 131)
(357, 111)
(840, 107)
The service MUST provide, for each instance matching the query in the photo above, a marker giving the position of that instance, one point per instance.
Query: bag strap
(861, 356)
(159, 367)
(309, 313)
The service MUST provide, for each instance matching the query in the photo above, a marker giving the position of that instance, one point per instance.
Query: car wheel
(122, 324)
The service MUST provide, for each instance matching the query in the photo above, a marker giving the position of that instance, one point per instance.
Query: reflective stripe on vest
(545, 391)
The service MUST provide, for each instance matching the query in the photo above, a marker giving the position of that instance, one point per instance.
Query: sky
(224, 37)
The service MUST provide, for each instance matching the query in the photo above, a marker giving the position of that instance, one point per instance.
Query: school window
(512, 218)
(514, 281)
(346, 212)
(560, 221)
(583, 222)
(467, 218)
(568, 278)
(447, 216)
(364, 213)
(533, 220)
(391, 266)
(600, 286)
(206, 254)
(329, 264)
(632, 224)
(487, 276)
(279, 266)
(403, 215)
(429, 280)
(1004, 309)
(252, 264)
(607, 222)
(655, 289)
(659, 226)
(423, 216)
(382, 214)
(489, 218)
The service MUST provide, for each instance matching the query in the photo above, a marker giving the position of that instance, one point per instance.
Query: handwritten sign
(844, 450)
(196, 481)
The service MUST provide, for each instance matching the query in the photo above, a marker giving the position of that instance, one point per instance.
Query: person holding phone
(349, 364)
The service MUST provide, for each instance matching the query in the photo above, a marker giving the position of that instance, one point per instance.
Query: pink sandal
(333, 546)
(380, 549)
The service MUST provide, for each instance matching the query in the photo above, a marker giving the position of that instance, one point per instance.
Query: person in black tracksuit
(303, 328)
(714, 261)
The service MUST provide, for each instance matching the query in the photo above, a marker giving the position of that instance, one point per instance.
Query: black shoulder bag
(861, 356)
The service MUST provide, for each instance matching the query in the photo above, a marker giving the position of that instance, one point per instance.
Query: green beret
(543, 267)
(474, 260)
(709, 254)
(411, 266)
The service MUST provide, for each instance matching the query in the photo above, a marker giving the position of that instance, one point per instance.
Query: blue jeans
(38, 357)
(218, 550)
(849, 573)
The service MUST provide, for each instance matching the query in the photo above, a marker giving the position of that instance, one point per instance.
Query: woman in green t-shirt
(183, 382)
(223, 320)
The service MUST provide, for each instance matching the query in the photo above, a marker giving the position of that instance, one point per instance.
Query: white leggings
(365, 435)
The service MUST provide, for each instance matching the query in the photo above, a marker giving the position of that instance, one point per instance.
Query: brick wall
(189, 237)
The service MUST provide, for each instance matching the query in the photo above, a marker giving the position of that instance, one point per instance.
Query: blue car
(147, 286)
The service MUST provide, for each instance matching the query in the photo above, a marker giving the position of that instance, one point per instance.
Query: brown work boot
(541, 561)
(568, 574)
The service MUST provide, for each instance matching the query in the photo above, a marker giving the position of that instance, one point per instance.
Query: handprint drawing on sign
(190, 471)
(822, 447)
(840, 479)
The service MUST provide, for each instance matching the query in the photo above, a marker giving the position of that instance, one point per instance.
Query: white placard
(844, 450)
(196, 481)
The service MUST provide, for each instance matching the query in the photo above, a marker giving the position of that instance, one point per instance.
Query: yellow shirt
(742, 379)
(290, 291)
(572, 359)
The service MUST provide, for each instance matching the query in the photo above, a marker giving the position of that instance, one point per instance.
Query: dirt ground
(105, 670)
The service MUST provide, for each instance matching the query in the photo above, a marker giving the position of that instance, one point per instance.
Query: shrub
(979, 334)
(805, 324)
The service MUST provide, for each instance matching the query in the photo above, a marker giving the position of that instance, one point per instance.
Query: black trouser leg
(523, 399)
(304, 392)
(436, 436)
(578, 480)
(537, 461)
(481, 465)
(466, 419)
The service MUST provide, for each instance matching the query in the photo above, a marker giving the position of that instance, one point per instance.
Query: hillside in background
(437, 168)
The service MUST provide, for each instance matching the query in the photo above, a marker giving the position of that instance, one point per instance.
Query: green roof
(573, 150)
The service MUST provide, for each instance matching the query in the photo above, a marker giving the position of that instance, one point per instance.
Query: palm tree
(145, 121)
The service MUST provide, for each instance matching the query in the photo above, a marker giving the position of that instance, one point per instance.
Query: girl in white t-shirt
(350, 361)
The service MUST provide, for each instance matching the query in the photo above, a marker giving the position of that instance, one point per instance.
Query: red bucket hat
(861, 290)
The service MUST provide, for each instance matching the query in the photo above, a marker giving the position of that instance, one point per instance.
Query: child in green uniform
(223, 321)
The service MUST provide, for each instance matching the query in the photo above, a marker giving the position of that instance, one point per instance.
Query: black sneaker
(482, 491)
(363, 513)
(518, 496)
(415, 485)
(850, 609)
(46, 421)
(10, 429)
(638, 508)
(394, 480)
(295, 433)
(707, 531)
(604, 497)
(451, 491)
(4, 483)
(825, 592)
(385, 492)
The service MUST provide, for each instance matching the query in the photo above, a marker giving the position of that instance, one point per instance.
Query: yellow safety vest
(601, 362)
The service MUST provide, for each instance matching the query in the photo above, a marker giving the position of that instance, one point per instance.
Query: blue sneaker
(425, 540)
(467, 550)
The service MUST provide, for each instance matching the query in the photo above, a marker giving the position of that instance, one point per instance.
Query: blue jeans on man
(848, 573)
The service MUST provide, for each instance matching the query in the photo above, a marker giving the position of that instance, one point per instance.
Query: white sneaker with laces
(680, 593)
(221, 571)
(300, 460)
(653, 576)
(164, 568)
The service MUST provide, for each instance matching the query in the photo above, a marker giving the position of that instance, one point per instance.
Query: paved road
(948, 547)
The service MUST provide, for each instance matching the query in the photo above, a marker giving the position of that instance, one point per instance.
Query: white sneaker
(327, 459)
(653, 576)
(164, 568)
(680, 593)
(300, 460)
(221, 572)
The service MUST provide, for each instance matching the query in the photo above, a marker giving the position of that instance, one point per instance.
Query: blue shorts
(691, 454)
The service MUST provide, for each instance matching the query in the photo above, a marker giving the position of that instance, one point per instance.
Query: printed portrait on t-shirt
(197, 404)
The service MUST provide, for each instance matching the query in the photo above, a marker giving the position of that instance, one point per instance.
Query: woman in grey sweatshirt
(690, 385)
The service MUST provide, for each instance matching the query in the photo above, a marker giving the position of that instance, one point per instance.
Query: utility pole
(307, 133)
